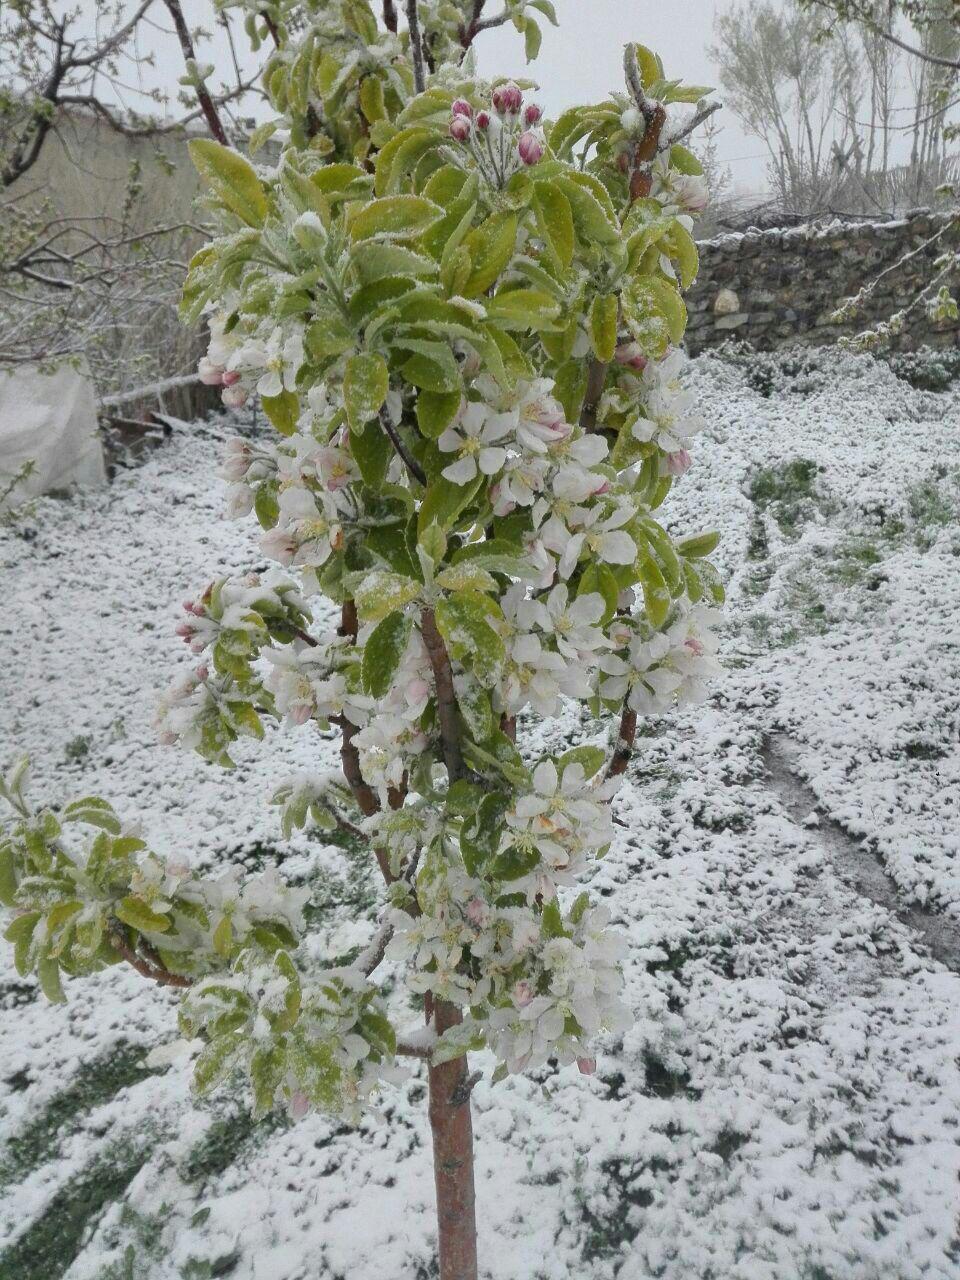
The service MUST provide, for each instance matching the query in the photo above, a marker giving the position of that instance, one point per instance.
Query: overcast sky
(580, 61)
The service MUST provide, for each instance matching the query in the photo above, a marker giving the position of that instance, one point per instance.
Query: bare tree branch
(189, 53)
(416, 46)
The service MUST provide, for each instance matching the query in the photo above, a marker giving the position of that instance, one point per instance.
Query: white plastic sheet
(51, 419)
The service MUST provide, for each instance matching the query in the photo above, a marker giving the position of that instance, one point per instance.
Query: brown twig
(156, 972)
(409, 461)
(416, 46)
(623, 751)
(210, 112)
(596, 377)
(446, 695)
(390, 16)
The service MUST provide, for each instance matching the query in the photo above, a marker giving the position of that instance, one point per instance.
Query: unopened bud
(533, 115)
(462, 108)
(483, 120)
(507, 99)
(530, 148)
(460, 128)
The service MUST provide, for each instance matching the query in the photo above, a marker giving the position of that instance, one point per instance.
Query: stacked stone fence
(781, 287)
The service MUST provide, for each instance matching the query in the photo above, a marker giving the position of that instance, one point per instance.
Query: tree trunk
(452, 1130)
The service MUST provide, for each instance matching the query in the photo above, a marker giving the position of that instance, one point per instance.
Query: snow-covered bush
(462, 321)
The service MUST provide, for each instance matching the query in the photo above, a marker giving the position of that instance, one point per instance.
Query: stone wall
(778, 288)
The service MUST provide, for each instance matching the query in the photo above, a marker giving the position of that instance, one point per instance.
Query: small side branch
(409, 461)
(210, 112)
(155, 971)
(447, 713)
(390, 16)
(416, 46)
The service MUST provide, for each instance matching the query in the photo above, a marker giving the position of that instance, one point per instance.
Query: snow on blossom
(279, 357)
(666, 667)
(670, 417)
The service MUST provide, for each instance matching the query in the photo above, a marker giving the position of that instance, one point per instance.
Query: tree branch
(410, 462)
(416, 46)
(390, 16)
(203, 96)
(447, 714)
(156, 972)
(623, 750)
(596, 377)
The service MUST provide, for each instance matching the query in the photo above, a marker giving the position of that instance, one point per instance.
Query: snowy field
(786, 1105)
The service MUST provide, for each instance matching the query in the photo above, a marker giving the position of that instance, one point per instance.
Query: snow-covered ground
(787, 1104)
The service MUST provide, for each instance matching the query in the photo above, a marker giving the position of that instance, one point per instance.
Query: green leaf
(444, 501)
(474, 704)
(372, 452)
(394, 218)
(698, 545)
(463, 621)
(371, 98)
(265, 504)
(656, 593)
(94, 812)
(554, 217)
(366, 382)
(232, 178)
(135, 912)
(523, 309)
(480, 838)
(8, 874)
(214, 1062)
(490, 247)
(20, 933)
(592, 759)
(383, 652)
(283, 410)
(381, 593)
(532, 38)
(48, 972)
(683, 159)
(570, 387)
(436, 410)
(593, 225)
(603, 325)
(379, 260)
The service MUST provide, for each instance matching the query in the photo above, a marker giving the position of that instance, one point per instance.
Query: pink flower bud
(522, 993)
(677, 463)
(630, 354)
(202, 672)
(460, 128)
(694, 645)
(234, 397)
(462, 108)
(507, 99)
(210, 374)
(231, 377)
(587, 1066)
(185, 630)
(483, 120)
(530, 148)
(533, 115)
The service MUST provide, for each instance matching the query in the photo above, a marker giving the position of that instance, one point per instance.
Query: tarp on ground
(49, 418)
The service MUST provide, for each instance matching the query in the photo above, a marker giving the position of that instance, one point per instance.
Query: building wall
(777, 288)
